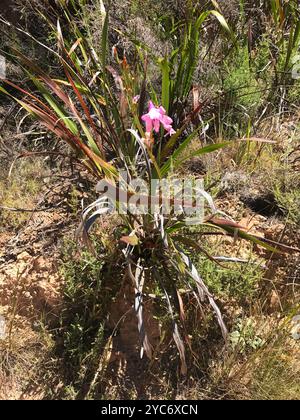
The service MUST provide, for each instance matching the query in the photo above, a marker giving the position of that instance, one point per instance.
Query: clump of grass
(241, 84)
(275, 368)
(276, 378)
(261, 363)
(20, 190)
(288, 199)
(22, 363)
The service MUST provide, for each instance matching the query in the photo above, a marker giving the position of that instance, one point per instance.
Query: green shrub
(233, 280)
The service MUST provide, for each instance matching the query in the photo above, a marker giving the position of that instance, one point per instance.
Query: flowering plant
(110, 131)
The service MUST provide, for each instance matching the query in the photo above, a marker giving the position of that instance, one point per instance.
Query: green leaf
(165, 83)
(57, 108)
(204, 150)
(104, 38)
(181, 148)
(224, 24)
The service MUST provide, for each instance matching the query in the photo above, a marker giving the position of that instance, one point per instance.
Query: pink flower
(157, 116)
(166, 121)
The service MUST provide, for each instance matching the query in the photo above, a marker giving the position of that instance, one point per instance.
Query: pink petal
(156, 125)
(162, 110)
(168, 128)
(151, 105)
(149, 124)
(170, 131)
(165, 120)
(154, 114)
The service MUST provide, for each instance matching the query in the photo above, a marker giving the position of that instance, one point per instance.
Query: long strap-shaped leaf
(176, 334)
(55, 125)
(203, 291)
(138, 280)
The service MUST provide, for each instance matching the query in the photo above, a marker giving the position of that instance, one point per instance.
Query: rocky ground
(30, 278)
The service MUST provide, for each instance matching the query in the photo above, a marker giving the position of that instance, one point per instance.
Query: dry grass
(20, 191)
